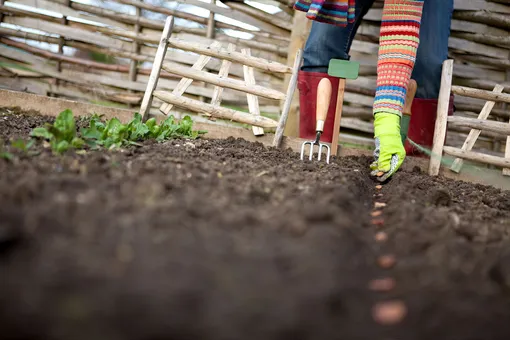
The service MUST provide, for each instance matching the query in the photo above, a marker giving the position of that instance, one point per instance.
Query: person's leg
(324, 43)
(432, 52)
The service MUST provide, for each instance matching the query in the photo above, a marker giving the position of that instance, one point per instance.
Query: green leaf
(151, 123)
(23, 145)
(66, 125)
(185, 126)
(30, 143)
(77, 143)
(62, 146)
(41, 132)
(7, 156)
(137, 129)
(114, 128)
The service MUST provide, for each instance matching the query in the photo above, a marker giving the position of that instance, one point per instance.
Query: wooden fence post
(133, 64)
(441, 118)
(299, 34)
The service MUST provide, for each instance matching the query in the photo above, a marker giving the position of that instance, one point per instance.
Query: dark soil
(231, 240)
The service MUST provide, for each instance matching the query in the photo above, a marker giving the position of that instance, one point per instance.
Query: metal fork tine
(328, 152)
(320, 146)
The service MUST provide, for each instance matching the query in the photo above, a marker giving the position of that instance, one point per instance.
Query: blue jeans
(331, 42)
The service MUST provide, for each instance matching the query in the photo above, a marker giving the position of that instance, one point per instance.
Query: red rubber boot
(307, 85)
(422, 124)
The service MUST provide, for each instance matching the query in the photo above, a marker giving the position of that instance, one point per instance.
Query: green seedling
(114, 134)
(343, 69)
(4, 154)
(111, 134)
(61, 134)
(25, 146)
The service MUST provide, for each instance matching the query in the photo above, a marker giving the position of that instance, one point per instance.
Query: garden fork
(323, 99)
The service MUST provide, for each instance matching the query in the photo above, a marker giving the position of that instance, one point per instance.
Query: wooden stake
(223, 73)
(474, 134)
(506, 171)
(278, 136)
(338, 116)
(441, 119)
(253, 102)
(156, 68)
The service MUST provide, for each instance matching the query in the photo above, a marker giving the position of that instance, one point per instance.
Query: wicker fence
(101, 51)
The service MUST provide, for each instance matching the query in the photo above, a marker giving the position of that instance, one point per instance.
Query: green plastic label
(343, 69)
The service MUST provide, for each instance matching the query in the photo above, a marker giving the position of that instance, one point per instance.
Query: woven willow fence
(101, 52)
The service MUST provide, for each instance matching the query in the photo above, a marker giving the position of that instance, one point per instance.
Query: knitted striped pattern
(398, 44)
(334, 12)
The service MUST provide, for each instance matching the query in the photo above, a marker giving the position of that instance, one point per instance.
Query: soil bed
(227, 239)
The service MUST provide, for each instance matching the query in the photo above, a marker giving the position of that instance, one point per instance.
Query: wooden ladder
(220, 81)
(477, 125)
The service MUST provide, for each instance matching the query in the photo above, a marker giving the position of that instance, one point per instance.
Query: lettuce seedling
(61, 134)
(25, 146)
(112, 133)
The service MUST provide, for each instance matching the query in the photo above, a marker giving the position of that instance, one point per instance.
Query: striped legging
(398, 43)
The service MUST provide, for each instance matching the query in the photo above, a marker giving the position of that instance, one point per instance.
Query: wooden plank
(216, 111)
(238, 57)
(41, 66)
(200, 48)
(184, 83)
(476, 48)
(223, 73)
(288, 99)
(60, 8)
(156, 68)
(442, 115)
(195, 18)
(480, 5)
(68, 32)
(485, 125)
(484, 17)
(478, 157)
(481, 94)
(253, 103)
(474, 71)
(473, 27)
(239, 16)
(223, 82)
(260, 15)
(474, 134)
